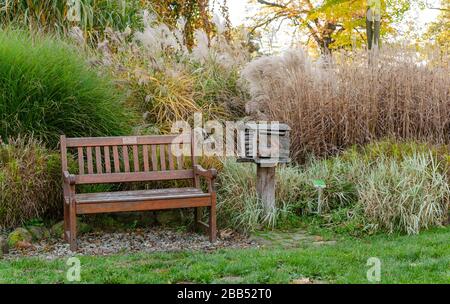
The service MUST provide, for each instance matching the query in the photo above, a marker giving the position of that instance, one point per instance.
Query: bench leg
(66, 222)
(212, 220)
(73, 228)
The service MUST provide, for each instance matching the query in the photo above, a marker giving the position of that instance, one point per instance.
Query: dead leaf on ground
(226, 233)
(23, 245)
(302, 281)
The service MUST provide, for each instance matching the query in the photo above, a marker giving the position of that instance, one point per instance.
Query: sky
(241, 10)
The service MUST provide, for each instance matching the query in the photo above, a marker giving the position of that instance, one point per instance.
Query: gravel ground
(149, 240)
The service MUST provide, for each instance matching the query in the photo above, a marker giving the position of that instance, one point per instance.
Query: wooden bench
(107, 160)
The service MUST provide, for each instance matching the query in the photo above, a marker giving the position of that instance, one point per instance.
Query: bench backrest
(128, 159)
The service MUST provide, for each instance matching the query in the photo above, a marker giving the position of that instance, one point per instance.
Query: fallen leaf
(226, 233)
(23, 245)
(302, 281)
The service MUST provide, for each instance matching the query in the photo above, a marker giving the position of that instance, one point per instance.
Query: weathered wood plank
(170, 156)
(133, 177)
(136, 158)
(162, 156)
(116, 159)
(145, 157)
(126, 140)
(154, 158)
(155, 192)
(143, 205)
(89, 160)
(80, 161)
(88, 198)
(107, 159)
(265, 187)
(126, 159)
(98, 160)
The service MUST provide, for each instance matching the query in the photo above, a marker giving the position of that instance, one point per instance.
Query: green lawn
(404, 259)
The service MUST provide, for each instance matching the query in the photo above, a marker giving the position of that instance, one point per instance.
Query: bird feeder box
(266, 145)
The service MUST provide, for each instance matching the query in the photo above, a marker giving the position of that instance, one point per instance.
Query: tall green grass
(52, 15)
(47, 89)
(386, 186)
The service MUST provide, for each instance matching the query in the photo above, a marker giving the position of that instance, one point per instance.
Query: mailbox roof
(267, 126)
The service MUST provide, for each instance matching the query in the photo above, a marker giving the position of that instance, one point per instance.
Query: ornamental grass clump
(382, 187)
(331, 106)
(47, 89)
(407, 196)
(168, 80)
(30, 179)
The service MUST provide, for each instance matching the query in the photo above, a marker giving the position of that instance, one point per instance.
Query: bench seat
(142, 200)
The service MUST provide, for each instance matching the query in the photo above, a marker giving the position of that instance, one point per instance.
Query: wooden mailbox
(266, 145)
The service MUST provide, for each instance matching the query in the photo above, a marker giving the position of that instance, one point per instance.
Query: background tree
(195, 12)
(332, 24)
(438, 32)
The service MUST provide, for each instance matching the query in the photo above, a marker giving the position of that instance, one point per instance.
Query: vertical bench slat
(80, 161)
(126, 159)
(116, 159)
(89, 160)
(170, 155)
(180, 161)
(145, 157)
(136, 158)
(154, 159)
(107, 159)
(98, 160)
(162, 156)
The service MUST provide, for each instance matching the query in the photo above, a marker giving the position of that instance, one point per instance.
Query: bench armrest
(210, 176)
(69, 178)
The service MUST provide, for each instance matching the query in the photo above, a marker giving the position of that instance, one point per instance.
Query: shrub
(47, 89)
(331, 107)
(369, 189)
(30, 185)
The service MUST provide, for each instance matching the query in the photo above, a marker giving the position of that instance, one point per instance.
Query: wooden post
(265, 187)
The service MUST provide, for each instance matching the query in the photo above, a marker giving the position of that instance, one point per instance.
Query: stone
(4, 248)
(38, 233)
(19, 235)
(169, 218)
(23, 245)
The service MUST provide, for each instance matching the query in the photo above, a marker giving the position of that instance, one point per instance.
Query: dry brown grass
(332, 107)
(29, 182)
